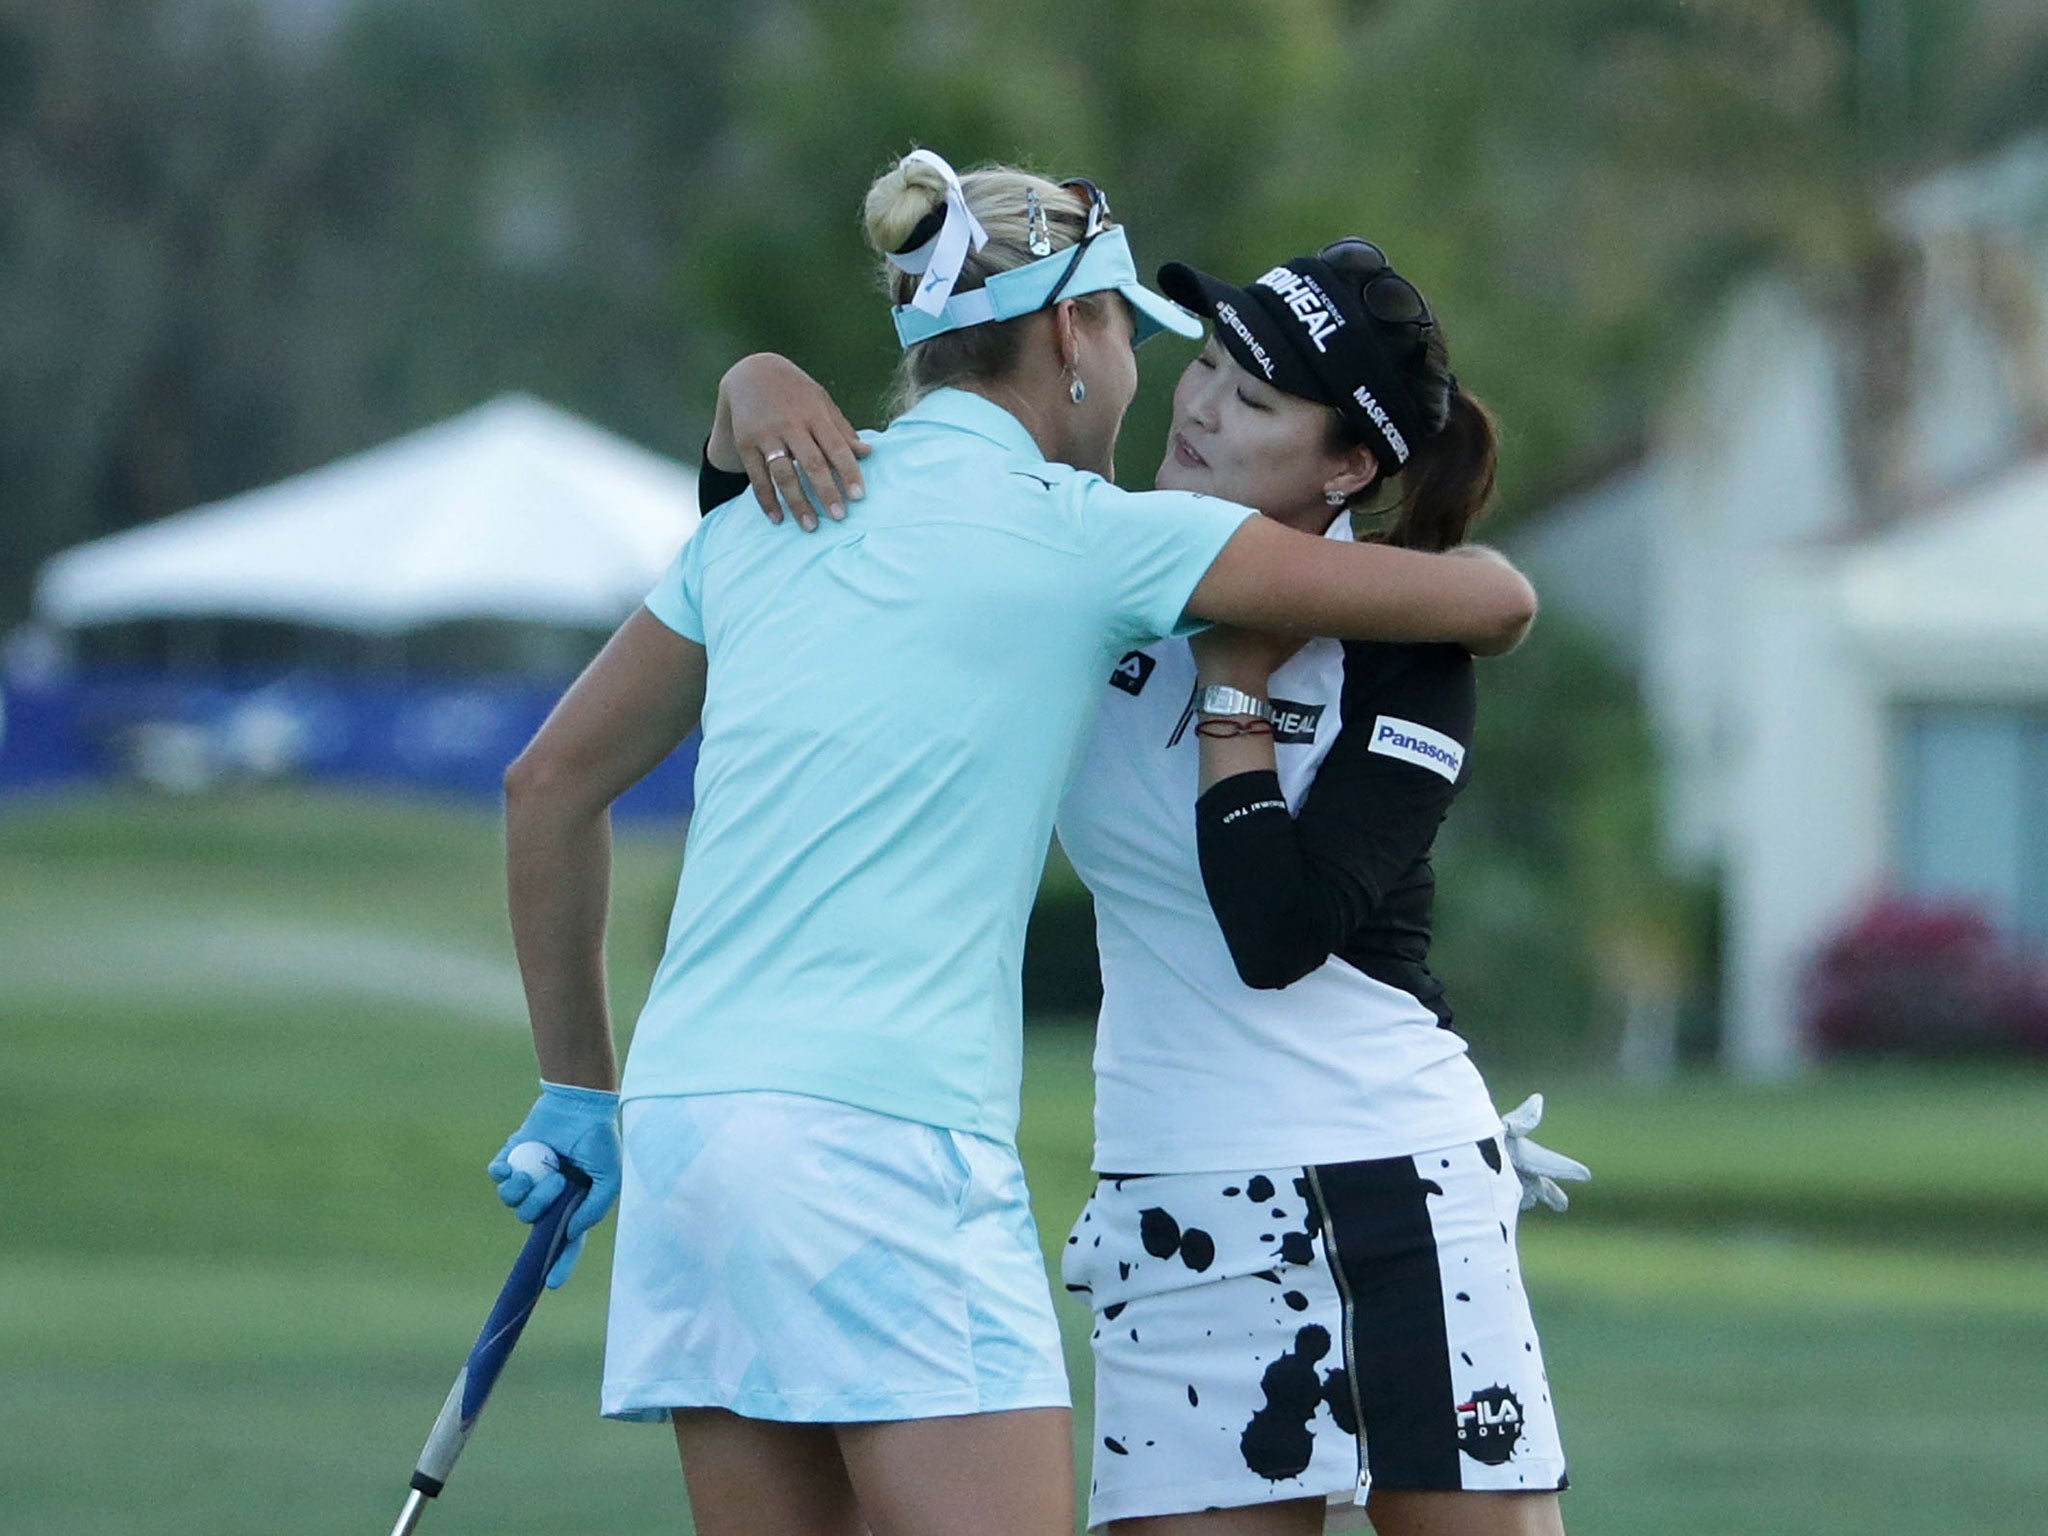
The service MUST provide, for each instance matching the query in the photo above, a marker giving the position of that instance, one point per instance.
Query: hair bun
(903, 197)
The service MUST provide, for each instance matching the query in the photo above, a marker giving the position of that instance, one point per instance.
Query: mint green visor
(1105, 264)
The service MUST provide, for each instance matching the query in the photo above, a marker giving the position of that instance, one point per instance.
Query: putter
(479, 1373)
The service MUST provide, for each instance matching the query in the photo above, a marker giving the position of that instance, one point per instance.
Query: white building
(1830, 572)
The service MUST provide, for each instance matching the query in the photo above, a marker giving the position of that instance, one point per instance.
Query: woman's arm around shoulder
(1272, 577)
(774, 420)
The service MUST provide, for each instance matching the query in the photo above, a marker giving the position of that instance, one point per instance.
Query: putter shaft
(409, 1516)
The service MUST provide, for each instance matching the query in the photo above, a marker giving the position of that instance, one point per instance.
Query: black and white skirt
(1308, 1332)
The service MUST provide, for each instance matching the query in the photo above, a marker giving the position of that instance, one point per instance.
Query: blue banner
(442, 733)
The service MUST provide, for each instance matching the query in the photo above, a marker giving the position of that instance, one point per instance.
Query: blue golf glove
(1536, 1165)
(579, 1126)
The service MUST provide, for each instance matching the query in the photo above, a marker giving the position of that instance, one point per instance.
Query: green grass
(1943, 1154)
(247, 1236)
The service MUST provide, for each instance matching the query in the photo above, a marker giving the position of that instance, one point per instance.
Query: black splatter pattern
(1490, 1150)
(1163, 1238)
(1337, 1397)
(1277, 1443)
(1300, 1247)
(1159, 1232)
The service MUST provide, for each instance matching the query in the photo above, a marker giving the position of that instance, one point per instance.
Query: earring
(1077, 391)
(1335, 498)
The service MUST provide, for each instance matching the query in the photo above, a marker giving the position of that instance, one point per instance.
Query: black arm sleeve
(1350, 876)
(715, 486)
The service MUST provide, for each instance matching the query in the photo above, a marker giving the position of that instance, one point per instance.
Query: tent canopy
(514, 510)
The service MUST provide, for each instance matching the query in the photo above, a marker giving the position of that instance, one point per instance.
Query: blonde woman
(827, 1275)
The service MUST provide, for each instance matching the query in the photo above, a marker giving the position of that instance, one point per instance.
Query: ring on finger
(780, 453)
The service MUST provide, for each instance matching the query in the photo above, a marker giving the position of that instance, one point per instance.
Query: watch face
(1221, 699)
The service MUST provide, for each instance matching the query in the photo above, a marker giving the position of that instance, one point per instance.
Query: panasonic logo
(1418, 744)
(1384, 422)
(1307, 302)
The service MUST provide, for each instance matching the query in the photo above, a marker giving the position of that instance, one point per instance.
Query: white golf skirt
(797, 1259)
(1308, 1332)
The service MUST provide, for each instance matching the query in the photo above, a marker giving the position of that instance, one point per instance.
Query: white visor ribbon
(939, 260)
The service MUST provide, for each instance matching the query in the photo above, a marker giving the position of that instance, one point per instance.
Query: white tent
(514, 510)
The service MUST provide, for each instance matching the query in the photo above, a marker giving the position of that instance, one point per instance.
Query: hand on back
(778, 424)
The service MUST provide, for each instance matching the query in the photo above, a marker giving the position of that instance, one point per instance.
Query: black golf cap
(1302, 328)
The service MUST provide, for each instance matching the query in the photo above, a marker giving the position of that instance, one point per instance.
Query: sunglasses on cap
(1388, 296)
(1098, 220)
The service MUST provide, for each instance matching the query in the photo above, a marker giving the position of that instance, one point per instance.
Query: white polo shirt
(895, 705)
(1194, 1070)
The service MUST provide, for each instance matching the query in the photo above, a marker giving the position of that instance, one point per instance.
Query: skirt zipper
(1329, 1226)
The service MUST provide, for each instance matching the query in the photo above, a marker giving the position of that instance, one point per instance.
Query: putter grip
(501, 1330)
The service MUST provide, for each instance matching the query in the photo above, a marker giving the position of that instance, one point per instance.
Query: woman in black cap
(1301, 1248)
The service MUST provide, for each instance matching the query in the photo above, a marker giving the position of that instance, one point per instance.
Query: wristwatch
(1221, 699)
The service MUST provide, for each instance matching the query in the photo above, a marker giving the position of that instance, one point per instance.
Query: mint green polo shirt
(895, 705)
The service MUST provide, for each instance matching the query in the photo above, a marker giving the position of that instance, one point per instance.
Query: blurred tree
(221, 262)
(223, 259)
(130, 259)
(231, 250)
(1559, 937)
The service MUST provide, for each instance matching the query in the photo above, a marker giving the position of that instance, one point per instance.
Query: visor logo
(1228, 314)
(1372, 407)
(1418, 744)
(1307, 302)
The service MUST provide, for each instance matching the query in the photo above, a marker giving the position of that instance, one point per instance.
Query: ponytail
(1448, 481)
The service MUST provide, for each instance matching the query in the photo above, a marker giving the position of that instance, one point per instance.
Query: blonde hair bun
(900, 199)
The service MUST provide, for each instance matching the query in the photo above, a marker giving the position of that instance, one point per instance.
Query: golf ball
(535, 1159)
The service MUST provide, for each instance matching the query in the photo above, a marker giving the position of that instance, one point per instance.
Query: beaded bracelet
(1222, 729)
